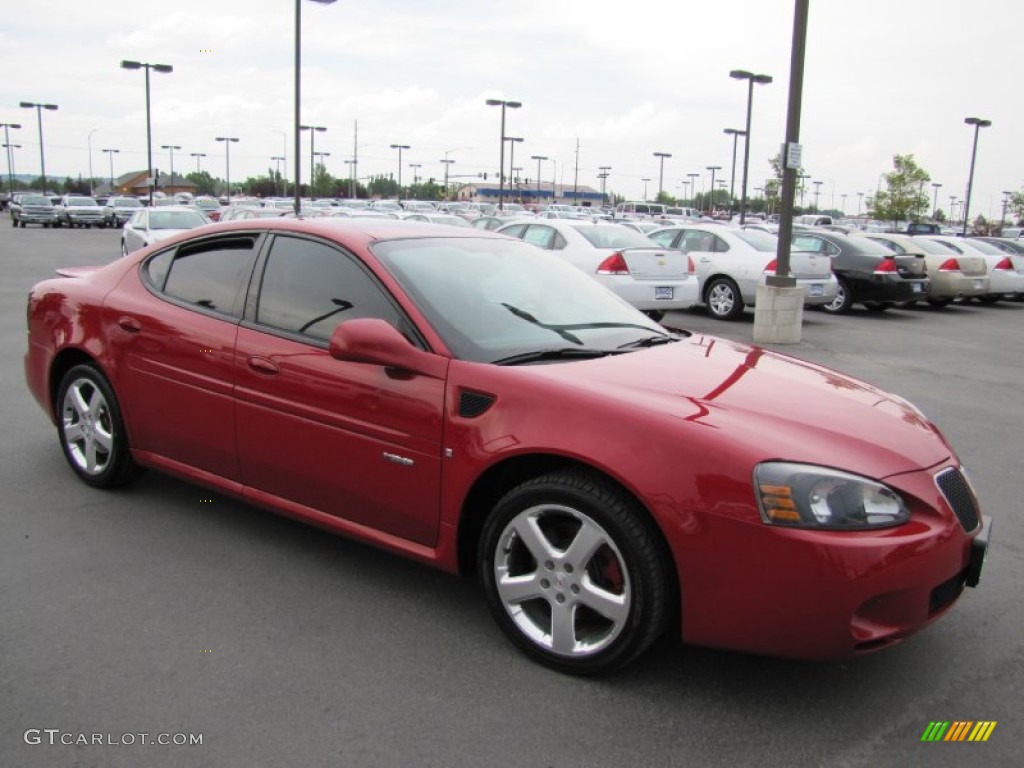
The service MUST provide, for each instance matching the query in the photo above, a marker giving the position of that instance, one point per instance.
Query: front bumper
(824, 595)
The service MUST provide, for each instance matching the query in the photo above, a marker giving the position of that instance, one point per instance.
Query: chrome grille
(957, 492)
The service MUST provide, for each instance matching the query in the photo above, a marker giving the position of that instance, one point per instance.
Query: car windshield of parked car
(175, 220)
(36, 200)
(758, 240)
(494, 299)
(126, 202)
(613, 236)
(81, 202)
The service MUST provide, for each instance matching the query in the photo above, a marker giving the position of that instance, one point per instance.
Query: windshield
(614, 236)
(82, 202)
(175, 220)
(761, 241)
(494, 298)
(126, 202)
(37, 200)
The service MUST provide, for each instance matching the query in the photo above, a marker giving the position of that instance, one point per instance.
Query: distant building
(530, 194)
(134, 183)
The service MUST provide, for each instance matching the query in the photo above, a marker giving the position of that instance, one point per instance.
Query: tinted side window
(539, 235)
(664, 238)
(309, 288)
(720, 245)
(515, 230)
(210, 274)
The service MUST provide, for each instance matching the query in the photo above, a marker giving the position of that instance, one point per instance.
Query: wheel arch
(64, 361)
(497, 480)
(718, 276)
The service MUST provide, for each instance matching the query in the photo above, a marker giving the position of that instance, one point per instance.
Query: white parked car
(651, 278)
(1005, 275)
(152, 224)
(732, 263)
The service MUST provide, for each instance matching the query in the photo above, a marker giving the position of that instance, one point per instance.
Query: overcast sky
(626, 79)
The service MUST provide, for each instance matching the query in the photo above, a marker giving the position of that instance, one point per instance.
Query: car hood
(763, 405)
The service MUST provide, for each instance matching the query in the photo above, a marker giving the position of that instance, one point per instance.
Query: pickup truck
(32, 209)
(79, 211)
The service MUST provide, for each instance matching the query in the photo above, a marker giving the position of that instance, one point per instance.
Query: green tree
(904, 198)
(382, 186)
(1017, 205)
(205, 183)
(323, 183)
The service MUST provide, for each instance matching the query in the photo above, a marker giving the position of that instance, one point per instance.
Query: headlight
(806, 496)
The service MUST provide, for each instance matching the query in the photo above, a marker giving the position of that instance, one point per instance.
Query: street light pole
(39, 115)
(227, 147)
(165, 69)
(197, 155)
(713, 168)
(935, 199)
(171, 147)
(313, 130)
(10, 154)
(751, 78)
(512, 141)
(736, 133)
(312, 178)
(817, 191)
(110, 155)
(400, 147)
(645, 188)
(88, 140)
(661, 172)
(298, 101)
(978, 124)
(501, 155)
(278, 159)
(604, 169)
(415, 172)
(693, 187)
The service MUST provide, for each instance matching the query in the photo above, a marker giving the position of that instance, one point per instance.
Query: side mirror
(376, 342)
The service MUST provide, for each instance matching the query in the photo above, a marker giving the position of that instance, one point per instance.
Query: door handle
(263, 365)
(129, 324)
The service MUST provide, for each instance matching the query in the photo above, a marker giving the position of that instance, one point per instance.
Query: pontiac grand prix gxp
(474, 403)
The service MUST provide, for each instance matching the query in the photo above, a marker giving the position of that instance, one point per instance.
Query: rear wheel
(574, 572)
(983, 299)
(939, 303)
(91, 430)
(841, 304)
(23, 225)
(877, 306)
(723, 299)
(654, 314)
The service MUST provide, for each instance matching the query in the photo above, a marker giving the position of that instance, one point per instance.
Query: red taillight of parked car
(886, 267)
(690, 266)
(772, 266)
(613, 265)
(1005, 264)
(950, 265)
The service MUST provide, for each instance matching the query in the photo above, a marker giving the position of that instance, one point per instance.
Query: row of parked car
(71, 210)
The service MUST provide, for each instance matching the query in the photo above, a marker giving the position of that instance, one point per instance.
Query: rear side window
(209, 275)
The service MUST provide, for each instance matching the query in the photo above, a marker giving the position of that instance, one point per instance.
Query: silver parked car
(150, 225)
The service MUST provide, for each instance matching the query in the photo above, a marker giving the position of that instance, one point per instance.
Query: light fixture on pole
(713, 168)
(171, 148)
(935, 199)
(735, 133)
(978, 124)
(538, 158)
(298, 101)
(164, 69)
(501, 142)
(39, 115)
(693, 186)
(400, 147)
(110, 155)
(645, 188)
(817, 191)
(10, 154)
(415, 172)
(198, 155)
(751, 78)
(661, 171)
(227, 147)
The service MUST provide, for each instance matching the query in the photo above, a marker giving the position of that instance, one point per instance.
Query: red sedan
(466, 400)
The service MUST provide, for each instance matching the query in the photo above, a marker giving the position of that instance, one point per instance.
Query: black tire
(939, 303)
(723, 299)
(624, 571)
(655, 314)
(91, 431)
(988, 299)
(843, 301)
(46, 225)
(23, 224)
(877, 306)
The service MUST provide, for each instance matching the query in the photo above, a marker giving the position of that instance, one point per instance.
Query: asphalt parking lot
(164, 609)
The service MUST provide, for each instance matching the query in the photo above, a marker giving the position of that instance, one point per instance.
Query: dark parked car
(868, 273)
(469, 401)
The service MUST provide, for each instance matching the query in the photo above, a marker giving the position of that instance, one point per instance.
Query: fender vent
(957, 491)
(472, 404)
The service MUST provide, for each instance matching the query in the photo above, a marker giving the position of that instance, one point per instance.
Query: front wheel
(841, 304)
(91, 430)
(877, 306)
(655, 314)
(723, 299)
(574, 572)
